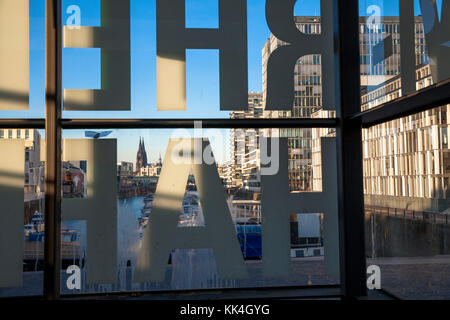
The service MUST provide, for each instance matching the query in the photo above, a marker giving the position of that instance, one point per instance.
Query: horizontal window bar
(22, 123)
(309, 292)
(190, 123)
(419, 101)
(171, 123)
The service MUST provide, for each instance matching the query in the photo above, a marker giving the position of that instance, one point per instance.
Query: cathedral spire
(141, 157)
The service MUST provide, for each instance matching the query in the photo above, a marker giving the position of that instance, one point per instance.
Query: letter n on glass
(113, 38)
(278, 203)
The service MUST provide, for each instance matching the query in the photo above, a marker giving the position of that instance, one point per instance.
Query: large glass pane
(406, 176)
(127, 68)
(22, 212)
(198, 83)
(120, 187)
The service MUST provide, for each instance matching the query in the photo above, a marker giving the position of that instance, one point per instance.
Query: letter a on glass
(162, 234)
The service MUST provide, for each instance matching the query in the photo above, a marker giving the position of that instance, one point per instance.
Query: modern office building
(375, 71)
(406, 162)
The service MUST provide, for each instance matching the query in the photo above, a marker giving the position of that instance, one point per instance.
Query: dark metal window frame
(349, 123)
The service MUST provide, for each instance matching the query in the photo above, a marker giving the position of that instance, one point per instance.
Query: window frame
(349, 123)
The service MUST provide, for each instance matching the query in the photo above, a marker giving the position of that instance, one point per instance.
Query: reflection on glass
(406, 186)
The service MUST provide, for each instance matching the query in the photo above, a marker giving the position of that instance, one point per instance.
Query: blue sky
(81, 67)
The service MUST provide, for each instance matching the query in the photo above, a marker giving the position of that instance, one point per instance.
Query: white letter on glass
(277, 203)
(14, 55)
(174, 38)
(280, 68)
(99, 209)
(12, 178)
(163, 234)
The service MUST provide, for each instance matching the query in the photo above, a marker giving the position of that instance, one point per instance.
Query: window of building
(349, 156)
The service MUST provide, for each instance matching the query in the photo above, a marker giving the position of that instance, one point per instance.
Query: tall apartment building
(245, 168)
(307, 100)
(34, 169)
(226, 174)
(375, 70)
(407, 161)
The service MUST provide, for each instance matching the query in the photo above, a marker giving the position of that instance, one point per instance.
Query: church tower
(141, 158)
(160, 160)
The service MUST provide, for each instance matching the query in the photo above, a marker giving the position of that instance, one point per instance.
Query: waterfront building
(125, 169)
(152, 169)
